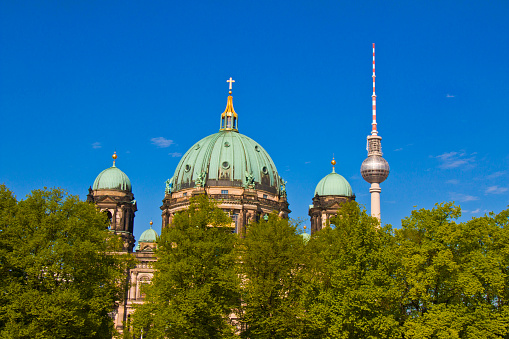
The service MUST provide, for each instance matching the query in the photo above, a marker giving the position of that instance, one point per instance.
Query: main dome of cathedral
(227, 158)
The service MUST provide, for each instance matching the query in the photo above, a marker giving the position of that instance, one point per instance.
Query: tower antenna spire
(375, 169)
(373, 97)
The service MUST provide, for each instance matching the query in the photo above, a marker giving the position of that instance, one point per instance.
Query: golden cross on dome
(230, 81)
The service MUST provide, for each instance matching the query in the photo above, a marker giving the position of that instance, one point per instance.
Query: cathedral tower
(113, 195)
(374, 169)
(330, 193)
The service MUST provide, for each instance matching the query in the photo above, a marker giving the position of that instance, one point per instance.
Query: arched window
(110, 218)
(143, 281)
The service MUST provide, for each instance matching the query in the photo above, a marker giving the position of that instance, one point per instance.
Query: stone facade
(137, 277)
(244, 205)
(120, 207)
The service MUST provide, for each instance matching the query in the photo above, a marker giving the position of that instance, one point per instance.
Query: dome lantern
(229, 118)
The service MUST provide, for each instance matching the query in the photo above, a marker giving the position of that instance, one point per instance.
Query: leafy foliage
(273, 255)
(433, 278)
(195, 286)
(352, 292)
(59, 275)
(455, 275)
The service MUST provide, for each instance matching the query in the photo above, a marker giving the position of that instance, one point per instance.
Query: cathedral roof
(334, 184)
(227, 158)
(112, 178)
(148, 236)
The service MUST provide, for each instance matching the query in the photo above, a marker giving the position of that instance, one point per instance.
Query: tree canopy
(195, 286)
(272, 255)
(60, 275)
(454, 275)
(352, 290)
(434, 277)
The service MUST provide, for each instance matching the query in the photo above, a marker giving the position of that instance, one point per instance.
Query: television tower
(374, 169)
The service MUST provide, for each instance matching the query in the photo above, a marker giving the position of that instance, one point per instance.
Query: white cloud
(475, 211)
(96, 145)
(496, 190)
(496, 174)
(307, 162)
(453, 181)
(175, 154)
(456, 159)
(161, 142)
(449, 96)
(398, 149)
(462, 197)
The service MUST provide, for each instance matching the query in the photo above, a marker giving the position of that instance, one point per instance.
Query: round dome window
(197, 146)
(188, 168)
(265, 170)
(257, 148)
(226, 144)
(225, 165)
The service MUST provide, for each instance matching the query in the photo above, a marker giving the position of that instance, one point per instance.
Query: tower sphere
(375, 169)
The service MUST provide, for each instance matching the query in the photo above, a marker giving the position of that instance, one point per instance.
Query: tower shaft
(375, 191)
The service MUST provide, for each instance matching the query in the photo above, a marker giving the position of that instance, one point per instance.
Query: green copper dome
(112, 178)
(227, 158)
(148, 236)
(334, 184)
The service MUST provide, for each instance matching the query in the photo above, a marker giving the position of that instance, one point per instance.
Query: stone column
(134, 284)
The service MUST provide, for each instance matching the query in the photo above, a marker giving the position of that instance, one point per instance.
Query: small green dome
(227, 158)
(148, 236)
(112, 178)
(334, 184)
(305, 237)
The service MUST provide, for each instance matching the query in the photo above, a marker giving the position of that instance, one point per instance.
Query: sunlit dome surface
(227, 158)
(112, 178)
(334, 184)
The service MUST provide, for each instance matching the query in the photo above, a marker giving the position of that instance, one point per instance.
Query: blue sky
(81, 79)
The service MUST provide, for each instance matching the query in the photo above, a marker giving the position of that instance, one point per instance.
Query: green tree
(59, 276)
(352, 292)
(272, 256)
(195, 287)
(455, 275)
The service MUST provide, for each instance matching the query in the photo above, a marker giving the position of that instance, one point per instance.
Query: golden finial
(230, 81)
(333, 163)
(151, 223)
(304, 227)
(114, 156)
